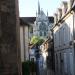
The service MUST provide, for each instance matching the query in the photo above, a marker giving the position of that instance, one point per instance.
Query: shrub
(36, 40)
(28, 67)
(25, 68)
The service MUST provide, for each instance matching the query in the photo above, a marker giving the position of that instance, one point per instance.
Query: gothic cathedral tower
(41, 23)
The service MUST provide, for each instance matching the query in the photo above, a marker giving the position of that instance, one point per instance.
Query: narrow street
(35, 39)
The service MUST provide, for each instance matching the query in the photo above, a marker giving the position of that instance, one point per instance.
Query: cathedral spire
(36, 13)
(47, 13)
(38, 7)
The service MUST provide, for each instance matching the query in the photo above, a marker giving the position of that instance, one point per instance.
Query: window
(32, 59)
(71, 64)
(56, 62)
(65, 64)
(44, 33)
(61, 64)
(42, 27)
(40, 33)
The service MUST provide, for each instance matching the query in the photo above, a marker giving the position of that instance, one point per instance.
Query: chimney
(55, 18)
(64, 7)
(70, 3)
(59, 13)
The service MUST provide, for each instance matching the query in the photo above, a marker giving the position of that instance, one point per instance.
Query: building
(47, 54)
(42, 24)
(25, 36)
(32, 53)
(26, 31)
(10, 62)
(64, 39)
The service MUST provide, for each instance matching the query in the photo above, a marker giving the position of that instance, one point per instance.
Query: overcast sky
(28, 8)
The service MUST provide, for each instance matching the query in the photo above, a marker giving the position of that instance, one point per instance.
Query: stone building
(42, 24)
(47, 54)
(10, 63)
(26, 33)
(64, 39)
(25, 36)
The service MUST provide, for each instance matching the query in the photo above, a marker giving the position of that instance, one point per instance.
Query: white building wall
(63, 34)
(69, 22)
(24, 41)
(63, 46)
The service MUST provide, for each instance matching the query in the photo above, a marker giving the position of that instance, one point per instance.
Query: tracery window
(44, 33)
(40, 33)
(42, 26)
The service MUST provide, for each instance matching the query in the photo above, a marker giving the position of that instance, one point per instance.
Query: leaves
(36, 40)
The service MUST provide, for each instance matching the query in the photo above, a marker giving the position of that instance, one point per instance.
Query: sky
(28, 8)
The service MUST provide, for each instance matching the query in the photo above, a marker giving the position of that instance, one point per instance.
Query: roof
(28, 20)
(66, 14)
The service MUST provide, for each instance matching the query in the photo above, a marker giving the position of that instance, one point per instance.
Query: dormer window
(59, 13)
(55, 18)
(71, 2)
(64, 8)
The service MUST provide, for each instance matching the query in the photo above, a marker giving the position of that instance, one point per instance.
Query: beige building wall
(24, 43)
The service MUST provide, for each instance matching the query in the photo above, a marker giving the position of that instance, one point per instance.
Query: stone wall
(9, 38)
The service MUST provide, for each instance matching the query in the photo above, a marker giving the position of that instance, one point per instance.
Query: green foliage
(40, 41)
(25, 68)
(28, 67)
(36, 40)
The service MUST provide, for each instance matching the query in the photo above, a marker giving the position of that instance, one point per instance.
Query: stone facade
(42, 24)
(47, 53)
(9, 38)
(64, 42)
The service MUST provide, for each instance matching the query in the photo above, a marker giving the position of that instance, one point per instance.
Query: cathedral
(41, 25)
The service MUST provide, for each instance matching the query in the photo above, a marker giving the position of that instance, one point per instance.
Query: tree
(36, 40)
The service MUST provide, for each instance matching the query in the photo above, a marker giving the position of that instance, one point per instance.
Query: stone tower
(41, 24)
(38, 7)
(9, 38)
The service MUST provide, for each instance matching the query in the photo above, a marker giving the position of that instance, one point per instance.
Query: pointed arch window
(40, 33)
(42, 27)
(44, 33)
